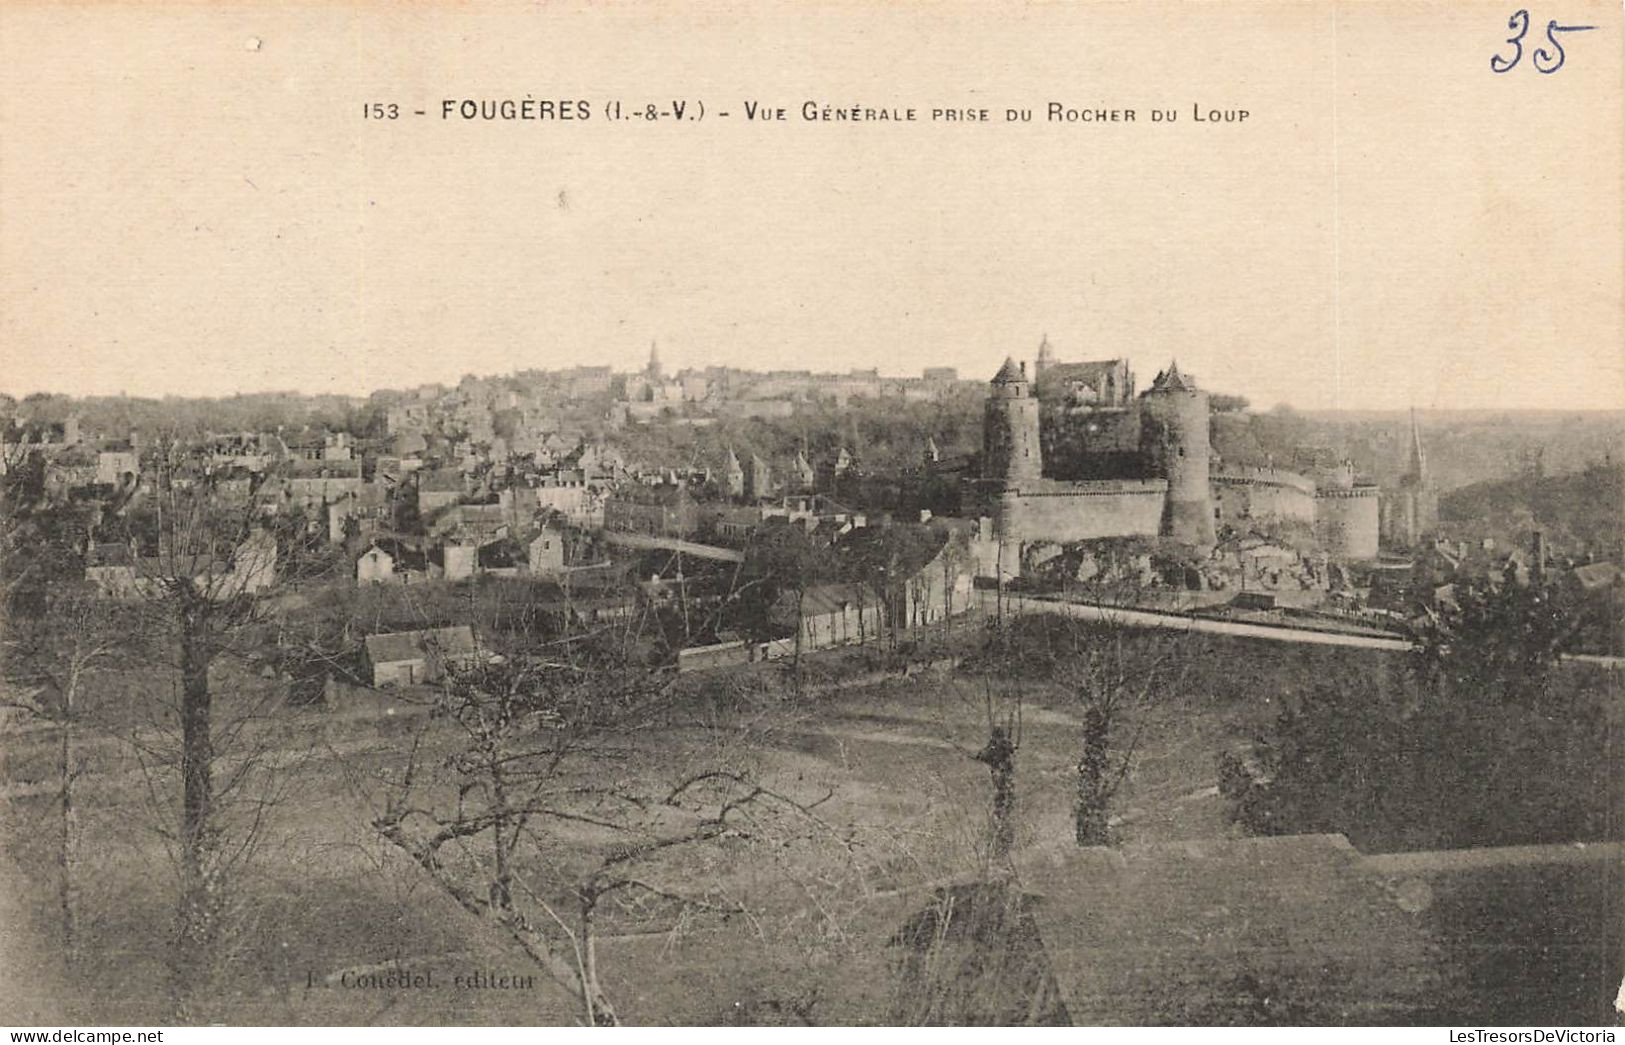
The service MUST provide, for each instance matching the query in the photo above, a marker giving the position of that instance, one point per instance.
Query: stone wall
(1051, 510)
(1262, 494)
(1093, 444)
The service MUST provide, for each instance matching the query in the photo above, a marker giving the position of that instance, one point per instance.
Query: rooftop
(392, 647)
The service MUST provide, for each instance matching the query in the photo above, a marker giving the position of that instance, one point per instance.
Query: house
(253, 564)
(374, 566)
(409, 444)
(586, 381)
(117, 465)
(830, 614)
(735, 525)
(410, 657)
(595, 461)
(111, 568)
(387, 559)
(439, 488)
(72, 469)
(570, 496)
(500, 558)
(368, 506)
(944, 586)
(658, 511)
(336, 446)
(311, 486)
(306, 446)
(758, 478)
(457, 561)
(546, 552)
(476, 522)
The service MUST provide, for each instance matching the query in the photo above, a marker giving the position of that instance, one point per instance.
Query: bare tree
(1113, 676)
(522, 754)
(203, 564)
(58, 656)
(999, 755)
(994, 665)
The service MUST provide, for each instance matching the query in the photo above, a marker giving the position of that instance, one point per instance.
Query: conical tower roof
(1009, 373)
(1172, 380)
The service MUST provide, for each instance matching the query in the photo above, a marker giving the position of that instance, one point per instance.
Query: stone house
(374, 566)
(111, 568)
(830, 614)
(411, 657)
(546, 552)
(439, 488)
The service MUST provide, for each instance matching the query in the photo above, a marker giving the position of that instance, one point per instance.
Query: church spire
(654, 369)
(1046, 357)
(1417, 466)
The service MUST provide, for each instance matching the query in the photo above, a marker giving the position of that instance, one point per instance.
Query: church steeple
(1045, 358)
(1416, 467)
(654, 369)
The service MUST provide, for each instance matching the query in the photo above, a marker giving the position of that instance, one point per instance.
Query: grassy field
(325, 897)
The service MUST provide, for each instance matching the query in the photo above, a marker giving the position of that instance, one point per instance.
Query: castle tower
(1010, 445)
(1174, 433)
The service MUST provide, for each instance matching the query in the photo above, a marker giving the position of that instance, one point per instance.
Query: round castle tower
(1174, 434)
(1346, 521)
(1010, 445)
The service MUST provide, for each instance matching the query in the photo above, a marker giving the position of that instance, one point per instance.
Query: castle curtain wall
(1062, 511)
(1262, 495)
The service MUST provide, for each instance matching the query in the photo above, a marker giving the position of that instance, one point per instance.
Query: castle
(1072, 454)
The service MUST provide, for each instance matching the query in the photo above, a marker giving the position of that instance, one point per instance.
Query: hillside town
(658, 649)
(1079, 488)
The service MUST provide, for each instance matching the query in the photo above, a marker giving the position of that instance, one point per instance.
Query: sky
(191, 202)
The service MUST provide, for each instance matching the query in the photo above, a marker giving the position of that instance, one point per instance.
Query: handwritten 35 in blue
(1544, 61)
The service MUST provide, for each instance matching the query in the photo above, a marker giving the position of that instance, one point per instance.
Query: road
(700, 551)
(1018, 604)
